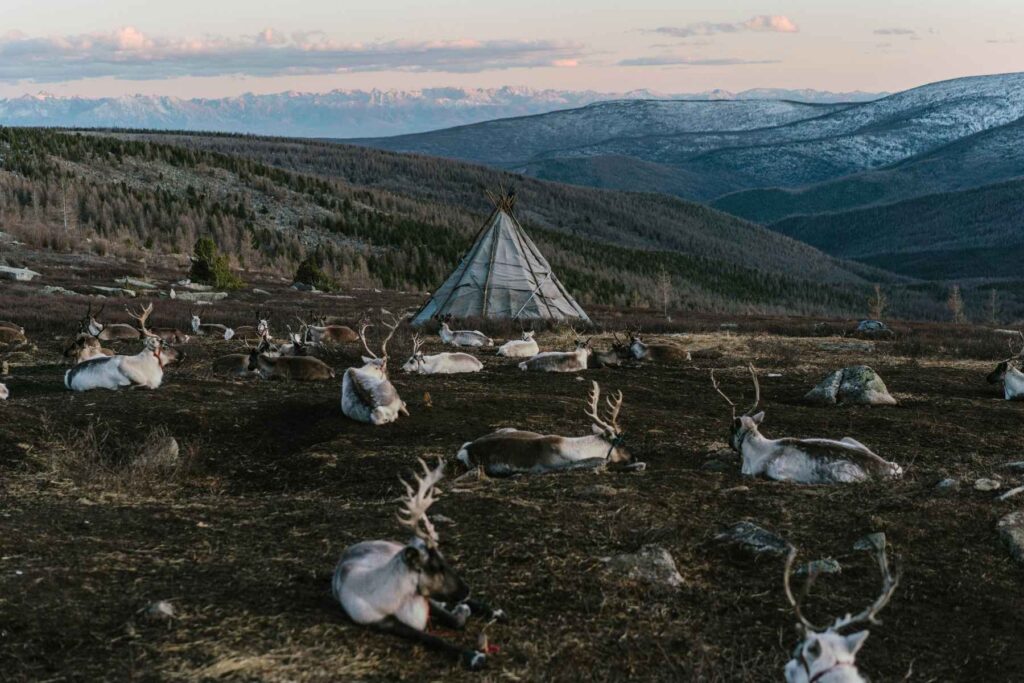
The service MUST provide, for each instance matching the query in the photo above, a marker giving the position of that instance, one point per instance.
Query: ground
(243, 537)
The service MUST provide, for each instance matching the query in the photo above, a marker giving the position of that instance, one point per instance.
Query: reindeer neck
(584, 447)
(756, 450)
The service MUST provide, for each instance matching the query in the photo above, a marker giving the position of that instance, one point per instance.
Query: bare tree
(955, 304)
(877, 303)
(992, 307)
(665, 290)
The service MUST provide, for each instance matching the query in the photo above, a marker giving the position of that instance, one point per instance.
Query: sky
(219, 48)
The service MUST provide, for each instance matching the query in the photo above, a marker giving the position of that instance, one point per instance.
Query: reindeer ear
(854, 641)
(758, 418)
(367, 359)
(597, 430)
(413, 557)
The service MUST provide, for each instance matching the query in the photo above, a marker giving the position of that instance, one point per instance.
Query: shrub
(309, 273)
(210, 267)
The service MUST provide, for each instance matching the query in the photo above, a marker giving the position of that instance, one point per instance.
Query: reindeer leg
(485, 611)
(454, 619)
(471, 659)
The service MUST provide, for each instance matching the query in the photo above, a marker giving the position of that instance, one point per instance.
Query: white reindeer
(367, 394)
(145, 369)
(471, 338)
(398, 587)
(199, 328)
(560, 361)
(440, 363)
(520, 348)
(825, 655)
(804, 461)
(512, 451)
(4, 392)
(1010, 375)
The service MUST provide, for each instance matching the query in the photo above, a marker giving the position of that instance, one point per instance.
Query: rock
(873, 542)
(194, 286)
(847, 346)
(199, 297)
(19, 274)
(159, 611)
(599, 491)
(261, 292)
(753, 539)
(162, 453)
(1017, 466)
(113, 291)
(856, 384)
(987, 484)
(1011, 530)
(820, 567)
(54, 290)
(303, 287)
(652, 565)
(873, 328)
(948, 485)
(135, 282)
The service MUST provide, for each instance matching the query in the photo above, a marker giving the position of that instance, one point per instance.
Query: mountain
(337, 114)
(708, 149)
(977, 233)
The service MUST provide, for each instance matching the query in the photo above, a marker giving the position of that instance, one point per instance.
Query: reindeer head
(91, 323)
(372, 360)
(608, 426)
(1014, 361)
(416, 359)
(195, 321)
(165, 355)
(434, 576)
(262, 325)
(528, 335)
(827, 651)
(746, 424)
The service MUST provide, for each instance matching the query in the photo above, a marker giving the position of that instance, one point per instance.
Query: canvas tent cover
(503, 275)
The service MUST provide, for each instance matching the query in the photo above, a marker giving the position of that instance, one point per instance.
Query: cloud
(128, 53)
(895, 32)
(674, 60)
(763, 23)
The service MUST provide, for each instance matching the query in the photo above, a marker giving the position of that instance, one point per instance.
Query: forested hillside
(381, 219)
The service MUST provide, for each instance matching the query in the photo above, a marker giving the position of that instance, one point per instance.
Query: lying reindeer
(398, 588)
(440, 363)
(145, 369)
(520, 348)
(825, 655)
(12, 334)
(656, 352)
(235, 364)
(367, 394)
(199, 328)
(4, 392)
(471, 338)
(1010, 375)
(85, 347)
(7, 324)
(271, 365)
(322, 333)
(804, 461)
(114, 331)
(260, 331)
(560, 361)
(512, 451)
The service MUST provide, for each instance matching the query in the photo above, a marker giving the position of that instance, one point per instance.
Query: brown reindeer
(114, 331)
(298, 368)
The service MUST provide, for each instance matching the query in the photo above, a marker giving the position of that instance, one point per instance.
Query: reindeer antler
(611, 422)
(141, 317)
(392, 326)
(790, 559)
(757, 391)
(889, 583)
(417, 343)
(362, 337)
(418, 500)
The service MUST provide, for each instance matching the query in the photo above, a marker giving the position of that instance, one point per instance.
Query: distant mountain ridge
(340, 113)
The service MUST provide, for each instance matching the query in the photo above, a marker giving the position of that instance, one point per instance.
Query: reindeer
(520, 348)
(171, 335)
(12, 326)
(657, 352)
(1010, 375)
(114, 331)
(825, 655)
(145, 369)
(397, 588)
(12, 335)
(258, 332)
(804, 461)
(367, 394)
(512, 451)
(471, 338)
(299, 368)
(560, 361)
(296, 344)
(85, 347)
(4, 392)
(199, 328)
(235, 364)
(328, 334)
(441, 363)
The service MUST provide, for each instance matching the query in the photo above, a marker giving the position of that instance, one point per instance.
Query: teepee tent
(503, 275)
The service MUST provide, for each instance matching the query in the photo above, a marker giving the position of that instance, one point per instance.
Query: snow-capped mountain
(339, 113)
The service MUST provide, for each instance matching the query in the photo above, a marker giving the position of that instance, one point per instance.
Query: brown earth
(243, 537)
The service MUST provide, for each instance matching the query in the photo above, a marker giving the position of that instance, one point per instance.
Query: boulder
(134, 282)
(1011, 530)
(159, 611)
(113, 291)
(985, 484)
(19, 274)
(856, 384)
(652, 565)
(873, 328)
(54, 290)
(160, 453)
(820, 567)
(754, 540)
(199, 297)
(194, 286)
